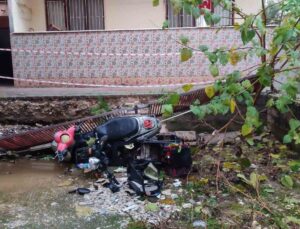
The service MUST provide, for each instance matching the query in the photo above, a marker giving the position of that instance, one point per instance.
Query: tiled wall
(157, 60)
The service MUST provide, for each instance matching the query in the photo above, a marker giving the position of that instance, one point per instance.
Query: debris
(80, 191)
(199, 223)
(167, 192)
(187, 205)
(177, 183)
(174, 196)
(120, 170)
(130, 208)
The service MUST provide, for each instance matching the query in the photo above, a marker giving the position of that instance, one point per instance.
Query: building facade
(112, 42)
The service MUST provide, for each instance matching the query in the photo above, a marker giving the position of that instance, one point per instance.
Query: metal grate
(56, 14)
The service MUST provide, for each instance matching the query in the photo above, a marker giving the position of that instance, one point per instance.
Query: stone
(53, 204)
(188, 136)
(187, 205)
(167, 192)
(174, 196)
(199, 224)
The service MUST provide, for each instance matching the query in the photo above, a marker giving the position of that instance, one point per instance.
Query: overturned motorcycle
(132, 141)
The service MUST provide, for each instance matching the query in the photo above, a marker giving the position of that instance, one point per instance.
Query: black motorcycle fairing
(118, 128)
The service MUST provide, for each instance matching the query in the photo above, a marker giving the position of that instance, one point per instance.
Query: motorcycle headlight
(65, 138)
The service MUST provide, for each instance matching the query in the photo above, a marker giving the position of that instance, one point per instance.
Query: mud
(34, 194)
(25, 175)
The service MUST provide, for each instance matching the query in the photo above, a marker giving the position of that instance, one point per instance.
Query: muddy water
(25, 175)
(34, 194)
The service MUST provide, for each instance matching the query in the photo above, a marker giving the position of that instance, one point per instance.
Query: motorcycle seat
(118, 128)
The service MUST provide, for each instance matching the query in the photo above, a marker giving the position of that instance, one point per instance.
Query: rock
(85, 203)
(130, 208)
(174, 196)
(187, 205)
(53, 204)
(199, 224)
(229, 137)
(167, 192)
(189, 136)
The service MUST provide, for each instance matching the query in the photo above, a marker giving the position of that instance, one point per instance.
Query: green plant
(278, 55)
(101, 107)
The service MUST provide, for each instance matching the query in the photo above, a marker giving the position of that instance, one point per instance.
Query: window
(185, 20)
(75, 14)
(181, 19)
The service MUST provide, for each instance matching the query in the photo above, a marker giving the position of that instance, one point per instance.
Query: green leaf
(184, 40)
(282, 103)
(166, 24)
(247, 85)
(195, 12)
(244, 179)
(292, 219)
(287, 139)
(270, 103)
(246, 129)
(260, 25)
(199, 111)
(186, 54)
(215, 18)
(247, 35)
(203, 48)
(207, 17)
(210, 91)
(287, 181)
(167, 110)
(245, 163)
(213, 58)
(214, 70)
(294, 124)
(173, 98)
(265, 75)
(187, 87)
(155, 2)
(250, 141)
(223, 58)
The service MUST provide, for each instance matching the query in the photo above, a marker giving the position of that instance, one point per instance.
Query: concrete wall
(28, 15)
(133, 14)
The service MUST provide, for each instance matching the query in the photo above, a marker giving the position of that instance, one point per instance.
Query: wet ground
(34, 194)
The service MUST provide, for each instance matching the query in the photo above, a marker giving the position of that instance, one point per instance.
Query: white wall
(28, 15)
(248, 6)
(133, 14)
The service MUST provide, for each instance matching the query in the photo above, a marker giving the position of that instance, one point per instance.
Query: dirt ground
(230, 186)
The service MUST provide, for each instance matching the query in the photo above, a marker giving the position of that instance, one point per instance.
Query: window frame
(67, 15)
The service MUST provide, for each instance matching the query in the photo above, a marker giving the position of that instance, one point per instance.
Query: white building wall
(28, 15)
(133, 14)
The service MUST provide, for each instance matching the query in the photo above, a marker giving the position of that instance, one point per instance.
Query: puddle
(25, 175)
